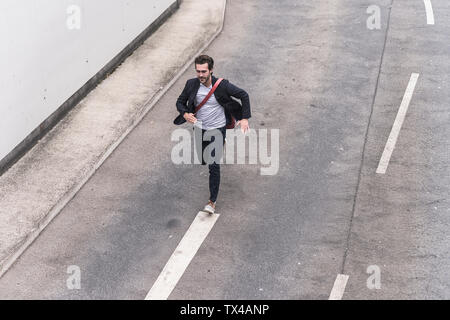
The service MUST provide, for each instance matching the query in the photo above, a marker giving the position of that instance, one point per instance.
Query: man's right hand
(190, 117)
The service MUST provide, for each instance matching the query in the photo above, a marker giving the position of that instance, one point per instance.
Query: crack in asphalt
(365, 141)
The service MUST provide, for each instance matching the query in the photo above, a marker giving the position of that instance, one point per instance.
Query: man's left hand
(244, 125)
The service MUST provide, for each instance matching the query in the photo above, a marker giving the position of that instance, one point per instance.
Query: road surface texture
(332, 87)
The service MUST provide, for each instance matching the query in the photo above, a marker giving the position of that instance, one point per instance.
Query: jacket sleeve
(182, 100)
(239, 93)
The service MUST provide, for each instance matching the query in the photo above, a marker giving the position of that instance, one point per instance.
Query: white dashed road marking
(339, 287)
(392, 140)
(429, 9)
(182, 256)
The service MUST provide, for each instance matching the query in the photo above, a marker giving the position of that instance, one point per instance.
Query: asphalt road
(332, 87)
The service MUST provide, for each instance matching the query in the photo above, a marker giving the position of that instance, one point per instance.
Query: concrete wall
(49, 49)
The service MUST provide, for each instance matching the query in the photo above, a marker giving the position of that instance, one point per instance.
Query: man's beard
(204, 79)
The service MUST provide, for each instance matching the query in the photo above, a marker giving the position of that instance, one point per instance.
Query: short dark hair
(202, 59)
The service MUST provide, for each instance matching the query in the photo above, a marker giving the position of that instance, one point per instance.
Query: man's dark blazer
(186, 102)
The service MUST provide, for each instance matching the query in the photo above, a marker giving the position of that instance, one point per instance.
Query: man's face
(203, 73)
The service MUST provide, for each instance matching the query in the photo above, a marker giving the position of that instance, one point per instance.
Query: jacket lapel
(195, 88)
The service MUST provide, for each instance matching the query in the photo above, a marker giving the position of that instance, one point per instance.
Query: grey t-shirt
(211, 115)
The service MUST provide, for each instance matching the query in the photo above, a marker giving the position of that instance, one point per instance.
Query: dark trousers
(214, 166)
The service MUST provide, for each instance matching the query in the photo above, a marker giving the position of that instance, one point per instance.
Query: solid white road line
(392, 140)
(182, 256)
(339, 287)
(429, 9)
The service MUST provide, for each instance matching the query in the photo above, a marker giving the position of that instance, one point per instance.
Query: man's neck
(209, 83)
